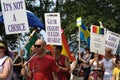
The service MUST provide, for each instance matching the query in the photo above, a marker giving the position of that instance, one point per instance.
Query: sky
(43, 33)
(37, 2)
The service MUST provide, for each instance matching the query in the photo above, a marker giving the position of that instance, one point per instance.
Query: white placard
(15, 17)
(118, 49)
(79, 21)
(97, 40)
(53, 28)
(112, 40)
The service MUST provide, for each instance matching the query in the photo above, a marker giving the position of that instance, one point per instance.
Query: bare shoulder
(9, 59)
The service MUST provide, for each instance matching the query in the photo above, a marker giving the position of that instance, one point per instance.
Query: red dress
(42, 68)
(61, 74)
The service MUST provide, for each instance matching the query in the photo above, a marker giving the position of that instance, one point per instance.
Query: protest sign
(112, 40)
(15, 17)
(97, 42)
(118, 49)
(53, 28)
(79, 21)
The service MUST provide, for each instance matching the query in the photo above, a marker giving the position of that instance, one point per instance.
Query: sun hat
(2, 45)
(15, 51)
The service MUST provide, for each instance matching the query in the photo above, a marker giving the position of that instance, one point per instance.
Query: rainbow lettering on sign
(98, 30)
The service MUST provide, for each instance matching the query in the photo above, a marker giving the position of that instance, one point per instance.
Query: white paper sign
(112, 40)
(15, 17)
(53, 28)
(97, 40)
(118, 49)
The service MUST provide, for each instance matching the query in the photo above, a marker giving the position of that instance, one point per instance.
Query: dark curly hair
(58, 47)
(6, 48)
(117, 59)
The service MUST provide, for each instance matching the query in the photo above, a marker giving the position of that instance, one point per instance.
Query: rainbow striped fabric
(98, 30)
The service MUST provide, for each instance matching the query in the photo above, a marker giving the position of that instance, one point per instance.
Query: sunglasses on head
(37, 46)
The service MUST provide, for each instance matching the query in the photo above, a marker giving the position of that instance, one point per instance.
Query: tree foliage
(91, 11)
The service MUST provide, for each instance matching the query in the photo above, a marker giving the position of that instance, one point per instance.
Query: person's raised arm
(26, 74)
(74, 64)
(80, 58)
(54, 76)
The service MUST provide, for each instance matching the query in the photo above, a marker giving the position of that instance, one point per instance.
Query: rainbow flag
(65, 48)
(98, 30)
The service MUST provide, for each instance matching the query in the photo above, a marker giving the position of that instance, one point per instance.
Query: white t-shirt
(108, 66)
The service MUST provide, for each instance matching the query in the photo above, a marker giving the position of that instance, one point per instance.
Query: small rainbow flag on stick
(98, 30)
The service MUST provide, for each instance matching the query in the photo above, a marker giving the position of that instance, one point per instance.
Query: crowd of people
(98, 67)
(43, 66)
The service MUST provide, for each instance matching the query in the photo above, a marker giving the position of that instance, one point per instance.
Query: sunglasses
(2, 47)
(37, 46)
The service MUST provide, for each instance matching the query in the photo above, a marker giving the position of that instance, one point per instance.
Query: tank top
(2, 60)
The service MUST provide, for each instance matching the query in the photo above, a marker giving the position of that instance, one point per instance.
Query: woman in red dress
(63, 64)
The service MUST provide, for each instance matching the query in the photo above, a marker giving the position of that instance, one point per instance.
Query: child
(116, 71)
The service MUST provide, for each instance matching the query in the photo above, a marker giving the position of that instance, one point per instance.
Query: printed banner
(97, 40)
(112, 40)
(15, 17)
(53, 28)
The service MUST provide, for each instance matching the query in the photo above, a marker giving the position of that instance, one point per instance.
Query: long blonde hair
(108, 53)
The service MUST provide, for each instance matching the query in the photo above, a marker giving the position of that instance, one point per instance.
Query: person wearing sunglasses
(42, 66)
(5, 62)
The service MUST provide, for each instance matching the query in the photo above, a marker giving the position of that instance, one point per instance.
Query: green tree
(91, 11)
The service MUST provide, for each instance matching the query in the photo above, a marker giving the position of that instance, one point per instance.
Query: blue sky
(37, 3)
(44, 34)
